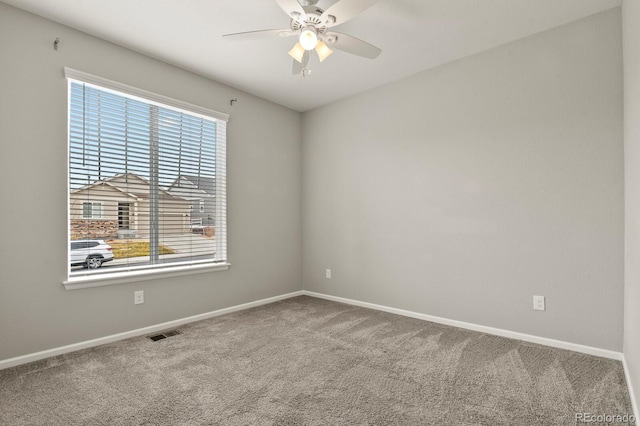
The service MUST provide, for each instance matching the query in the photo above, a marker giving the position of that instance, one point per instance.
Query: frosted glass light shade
(297, 52)
(323, 51)
(308, 38)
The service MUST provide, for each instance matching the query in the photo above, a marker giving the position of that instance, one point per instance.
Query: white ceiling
(414, 35)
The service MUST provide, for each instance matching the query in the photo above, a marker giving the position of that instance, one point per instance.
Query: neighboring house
(119, 207)
(200, 191)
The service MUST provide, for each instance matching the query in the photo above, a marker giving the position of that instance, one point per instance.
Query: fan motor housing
(310, 19)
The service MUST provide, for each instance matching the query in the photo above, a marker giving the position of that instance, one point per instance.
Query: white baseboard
(12, 362)
(604, 353)
(632, 394)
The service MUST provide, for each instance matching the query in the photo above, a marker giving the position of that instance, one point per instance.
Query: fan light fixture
(323, 51)
(312, 27)
(297, 52)
(309, 38)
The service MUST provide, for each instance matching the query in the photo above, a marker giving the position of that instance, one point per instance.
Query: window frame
(92, 210)
(134, 274)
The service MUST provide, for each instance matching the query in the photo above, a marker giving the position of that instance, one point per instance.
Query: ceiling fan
(312, 27)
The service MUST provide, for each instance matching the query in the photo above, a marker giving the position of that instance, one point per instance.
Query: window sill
(74, 283)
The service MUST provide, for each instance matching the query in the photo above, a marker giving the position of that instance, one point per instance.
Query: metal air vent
(164, 335)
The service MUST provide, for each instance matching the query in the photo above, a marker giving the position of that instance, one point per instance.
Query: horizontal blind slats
(118, 147)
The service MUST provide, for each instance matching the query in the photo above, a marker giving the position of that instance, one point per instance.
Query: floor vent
(164, 335)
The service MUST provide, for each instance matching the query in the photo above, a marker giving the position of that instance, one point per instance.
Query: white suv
(90, 253)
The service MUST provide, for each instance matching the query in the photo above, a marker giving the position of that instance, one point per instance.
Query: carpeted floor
(308, 361)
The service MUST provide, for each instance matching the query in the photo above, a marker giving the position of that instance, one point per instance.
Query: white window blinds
(146, 176)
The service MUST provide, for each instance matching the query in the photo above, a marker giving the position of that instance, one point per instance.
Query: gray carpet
(307, 361)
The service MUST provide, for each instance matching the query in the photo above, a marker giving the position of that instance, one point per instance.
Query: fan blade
(286, 32)
(353, 45)
(344, 10)
(297, 66)
(291, 8)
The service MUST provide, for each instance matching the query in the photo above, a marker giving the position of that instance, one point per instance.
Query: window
(138, 161)
(77, 245)
(92, 210)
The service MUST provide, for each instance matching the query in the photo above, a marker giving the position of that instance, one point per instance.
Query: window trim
(123, 277)
(126, 275)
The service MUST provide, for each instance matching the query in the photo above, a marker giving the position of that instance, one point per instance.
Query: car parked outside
(90, 253)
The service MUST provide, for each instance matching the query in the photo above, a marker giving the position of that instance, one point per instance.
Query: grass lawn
(134, 248)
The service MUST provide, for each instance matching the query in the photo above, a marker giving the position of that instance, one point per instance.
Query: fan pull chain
(306, 72)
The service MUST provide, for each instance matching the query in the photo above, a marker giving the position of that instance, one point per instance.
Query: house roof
(109, 184)
(193, 187)
(131, 184)
(206, 184)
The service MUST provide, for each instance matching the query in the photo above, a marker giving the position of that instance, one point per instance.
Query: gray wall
(459, 192)
(464, 190)
(631, 37)
(264, 193)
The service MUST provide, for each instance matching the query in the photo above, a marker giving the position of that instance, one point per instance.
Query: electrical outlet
(138, 297)
(538, 303)
(328, 273)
